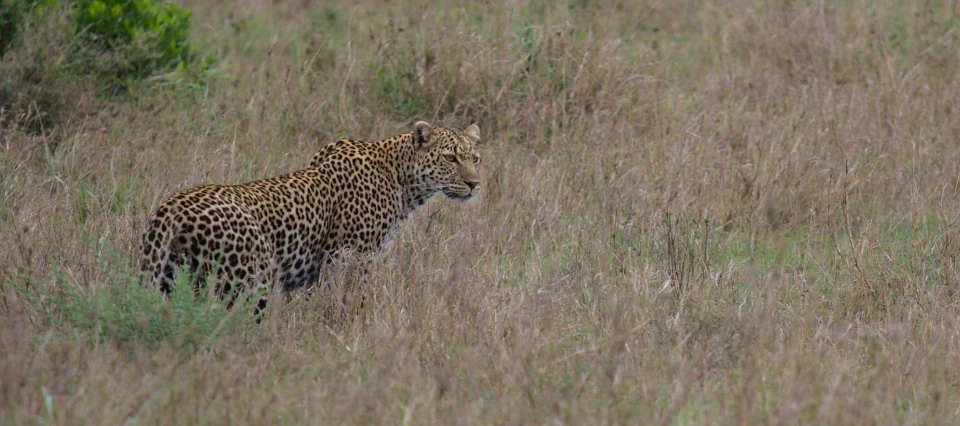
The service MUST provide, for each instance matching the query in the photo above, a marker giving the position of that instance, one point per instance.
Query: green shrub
(125, 311)
(73, 52)
(11, 16)
(151, 35)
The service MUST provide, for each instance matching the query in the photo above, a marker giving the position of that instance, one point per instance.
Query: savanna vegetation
(692, 212)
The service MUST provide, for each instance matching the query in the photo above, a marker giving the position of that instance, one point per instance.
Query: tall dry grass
(693, 212)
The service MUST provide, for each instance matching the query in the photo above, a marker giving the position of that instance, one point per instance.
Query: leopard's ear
(422, 134)
(473, 132)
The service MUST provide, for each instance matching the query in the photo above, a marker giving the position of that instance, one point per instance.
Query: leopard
(280, 233)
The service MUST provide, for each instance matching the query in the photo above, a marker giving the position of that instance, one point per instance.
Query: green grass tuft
(126, 311)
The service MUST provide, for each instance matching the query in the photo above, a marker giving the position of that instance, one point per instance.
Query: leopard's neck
(414, 191)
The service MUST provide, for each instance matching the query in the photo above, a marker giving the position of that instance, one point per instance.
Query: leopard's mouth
(453, 195)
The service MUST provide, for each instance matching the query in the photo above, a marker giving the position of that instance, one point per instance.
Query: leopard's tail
(159, 252)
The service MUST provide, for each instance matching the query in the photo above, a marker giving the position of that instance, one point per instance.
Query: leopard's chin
(451, 194)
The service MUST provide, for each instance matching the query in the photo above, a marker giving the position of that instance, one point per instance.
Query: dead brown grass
(693, 212)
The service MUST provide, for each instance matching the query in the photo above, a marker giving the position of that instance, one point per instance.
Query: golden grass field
(691, 213)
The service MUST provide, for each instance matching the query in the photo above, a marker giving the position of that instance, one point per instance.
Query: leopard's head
(447, 160)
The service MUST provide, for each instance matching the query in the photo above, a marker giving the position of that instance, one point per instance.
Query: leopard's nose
(472, 183)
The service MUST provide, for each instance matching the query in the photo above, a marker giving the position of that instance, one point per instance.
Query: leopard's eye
(476, 160)
(451, 158)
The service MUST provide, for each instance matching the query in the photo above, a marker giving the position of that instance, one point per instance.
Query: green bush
(11, 16)
(54, 53)
(123, 310)
(151, 35)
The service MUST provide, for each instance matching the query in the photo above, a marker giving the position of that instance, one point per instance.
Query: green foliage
(396, 88)
(152, 35)
(399, 79)
(11, 14)
(125, 311)
(84, 49)
(528, 44)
